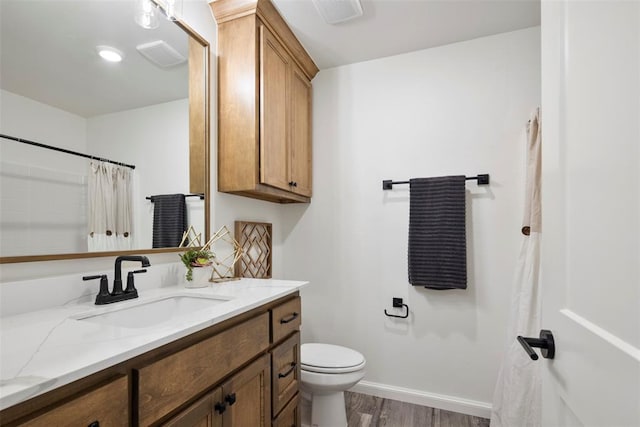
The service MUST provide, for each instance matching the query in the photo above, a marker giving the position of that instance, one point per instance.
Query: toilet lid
(329, 358)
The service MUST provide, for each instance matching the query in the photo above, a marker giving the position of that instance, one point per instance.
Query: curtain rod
(483, 179)
(63, 150)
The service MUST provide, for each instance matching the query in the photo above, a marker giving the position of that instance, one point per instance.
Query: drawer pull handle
(220, 407)
(289, 371)
(94, 424)
(230, 398)
(293, 317)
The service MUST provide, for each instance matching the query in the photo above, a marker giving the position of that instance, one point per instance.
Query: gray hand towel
(437, 235)
(169, 220)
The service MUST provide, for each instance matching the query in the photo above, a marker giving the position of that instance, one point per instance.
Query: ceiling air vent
(335, 11)
(161, 54)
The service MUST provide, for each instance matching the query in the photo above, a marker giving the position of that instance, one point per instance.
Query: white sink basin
(153, 312)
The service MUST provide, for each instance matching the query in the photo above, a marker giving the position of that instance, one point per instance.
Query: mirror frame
(202, 143)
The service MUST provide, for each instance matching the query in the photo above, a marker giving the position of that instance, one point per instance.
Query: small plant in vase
(196, 258)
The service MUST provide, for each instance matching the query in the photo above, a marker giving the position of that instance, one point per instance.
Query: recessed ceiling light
(335, 11)
(110, 54)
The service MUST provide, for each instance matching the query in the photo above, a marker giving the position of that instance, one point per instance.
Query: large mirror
(144, 120)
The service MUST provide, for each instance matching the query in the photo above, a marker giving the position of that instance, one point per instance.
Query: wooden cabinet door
(201, 414)
(170, 382)
(300, 138)
(275, 66)
(248, 396)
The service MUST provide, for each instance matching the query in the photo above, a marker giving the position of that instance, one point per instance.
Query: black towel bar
(483, 179)
(201, 196)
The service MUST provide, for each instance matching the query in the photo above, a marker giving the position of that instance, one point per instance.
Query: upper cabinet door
(300, 141)
(275, 66)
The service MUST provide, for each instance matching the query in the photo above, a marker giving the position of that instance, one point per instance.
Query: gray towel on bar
(437, 236)
(169, 220)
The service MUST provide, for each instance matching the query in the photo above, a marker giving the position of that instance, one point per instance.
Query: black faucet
(117, 294)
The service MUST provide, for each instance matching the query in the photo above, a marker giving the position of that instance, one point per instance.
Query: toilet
(326, 372)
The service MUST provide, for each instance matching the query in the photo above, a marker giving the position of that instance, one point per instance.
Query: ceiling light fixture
(146, 15)
(336, 11)
(172, 9)
(109, 53)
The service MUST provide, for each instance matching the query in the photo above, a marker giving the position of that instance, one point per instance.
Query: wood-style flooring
(371, 411)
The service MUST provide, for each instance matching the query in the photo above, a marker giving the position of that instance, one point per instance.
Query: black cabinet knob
(545, 343)
(220, 407)
(230, 398)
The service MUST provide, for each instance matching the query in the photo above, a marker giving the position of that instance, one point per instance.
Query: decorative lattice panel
(255, 240)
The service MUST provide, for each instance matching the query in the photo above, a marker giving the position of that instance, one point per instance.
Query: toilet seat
(330, 359)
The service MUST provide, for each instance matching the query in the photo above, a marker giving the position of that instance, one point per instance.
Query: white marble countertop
(46, 349)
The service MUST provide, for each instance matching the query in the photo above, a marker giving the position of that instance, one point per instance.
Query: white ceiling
(391, 27)
(48, 47)
(49, 55)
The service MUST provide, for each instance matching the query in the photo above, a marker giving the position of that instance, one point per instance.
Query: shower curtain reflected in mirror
(110, 214)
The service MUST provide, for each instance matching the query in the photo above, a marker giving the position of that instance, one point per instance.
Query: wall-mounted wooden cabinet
(264, 104)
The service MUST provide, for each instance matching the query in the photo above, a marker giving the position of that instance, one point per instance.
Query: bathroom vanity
(225, 355)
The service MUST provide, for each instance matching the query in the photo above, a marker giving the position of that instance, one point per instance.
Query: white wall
(156, 140)
(31, 176)
(456, 109)
(153, 138)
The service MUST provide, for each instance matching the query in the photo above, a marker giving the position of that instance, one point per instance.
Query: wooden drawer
(285, 319)
(290, 415)
(108, 405)
(285, 371)
(168, 383)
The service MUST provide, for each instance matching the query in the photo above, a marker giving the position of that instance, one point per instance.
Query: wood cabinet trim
(284, 388)
(228, 10)
(281, 326)
(201, 409)
(238, 104)
(274, 111)
(262, 368)
(300, 142)
(290, 414)
(86, 407)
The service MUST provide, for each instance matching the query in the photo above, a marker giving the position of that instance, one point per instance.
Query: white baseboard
(433, 400)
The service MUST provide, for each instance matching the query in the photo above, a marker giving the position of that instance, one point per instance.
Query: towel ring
(397, 303)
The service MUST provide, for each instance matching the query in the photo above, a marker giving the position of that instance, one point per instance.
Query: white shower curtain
(517, 396)
(110, 215)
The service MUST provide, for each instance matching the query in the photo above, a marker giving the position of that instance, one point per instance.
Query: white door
(591, 196)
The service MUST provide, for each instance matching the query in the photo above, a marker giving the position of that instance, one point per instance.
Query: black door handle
(289, 371)
(293, 317)
(545, 343)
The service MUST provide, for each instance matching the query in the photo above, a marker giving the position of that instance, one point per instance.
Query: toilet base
(328, 410)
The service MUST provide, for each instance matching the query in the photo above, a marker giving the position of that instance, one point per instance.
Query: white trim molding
(418, 397)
